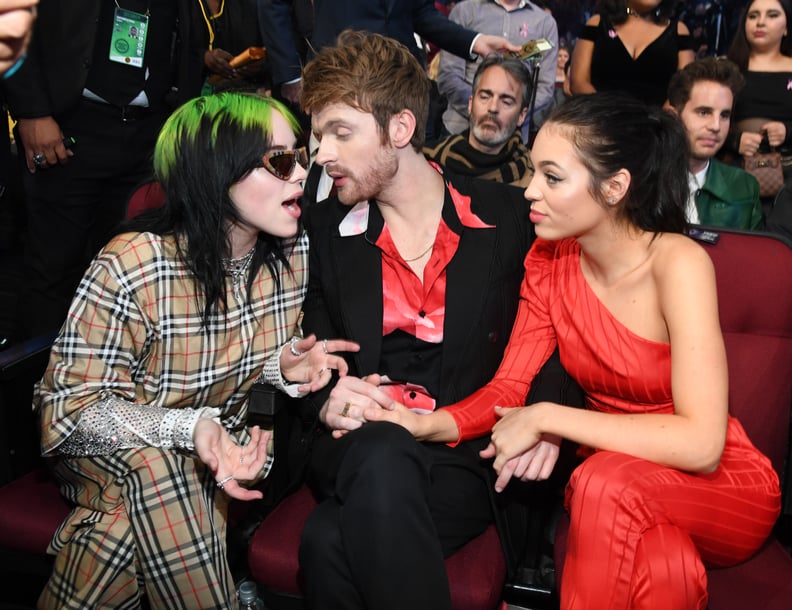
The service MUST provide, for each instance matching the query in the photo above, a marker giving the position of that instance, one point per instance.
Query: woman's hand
(309, 362)
(536, 464)
(517, 435)
(349, 402)
(225, 458)
(776, 132)
(216, 61)
(749, 143)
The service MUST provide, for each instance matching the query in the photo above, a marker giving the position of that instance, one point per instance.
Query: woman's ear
(616, 186)
(402, 127)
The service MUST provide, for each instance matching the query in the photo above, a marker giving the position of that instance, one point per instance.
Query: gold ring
(345, 410)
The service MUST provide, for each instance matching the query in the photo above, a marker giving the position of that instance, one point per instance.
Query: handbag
(767, 169)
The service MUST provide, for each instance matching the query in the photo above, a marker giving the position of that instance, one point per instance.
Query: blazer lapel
(467, 285)
(360, 297)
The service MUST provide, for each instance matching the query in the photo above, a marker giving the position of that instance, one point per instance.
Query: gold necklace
(421, 255)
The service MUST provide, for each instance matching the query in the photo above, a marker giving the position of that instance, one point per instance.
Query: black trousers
(75, 208)
(391, 509)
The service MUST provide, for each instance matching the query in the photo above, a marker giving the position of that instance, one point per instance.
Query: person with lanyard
(99, 80)
(226, 29)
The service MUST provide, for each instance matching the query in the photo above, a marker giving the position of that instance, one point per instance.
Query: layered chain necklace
(236, 269)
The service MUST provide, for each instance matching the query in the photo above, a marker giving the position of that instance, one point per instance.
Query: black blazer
(51, 80)
(483, 281)
(397, 19)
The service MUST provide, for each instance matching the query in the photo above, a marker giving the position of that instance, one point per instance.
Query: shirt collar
(523, 4)
(356, 221)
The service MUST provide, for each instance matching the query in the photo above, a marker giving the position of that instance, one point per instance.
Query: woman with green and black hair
(144, 402)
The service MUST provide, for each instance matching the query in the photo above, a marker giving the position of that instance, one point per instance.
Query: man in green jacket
(702, 95)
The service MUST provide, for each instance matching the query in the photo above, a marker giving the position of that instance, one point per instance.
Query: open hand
(309, 361)
(231, 463)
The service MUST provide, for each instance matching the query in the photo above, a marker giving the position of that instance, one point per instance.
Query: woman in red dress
(671, 482)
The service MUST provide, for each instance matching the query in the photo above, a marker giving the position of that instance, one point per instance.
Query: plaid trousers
(147, 521)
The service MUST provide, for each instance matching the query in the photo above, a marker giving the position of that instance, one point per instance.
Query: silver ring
(295, 352)
(324, 345)
(241, 459)
(221, 483)
(39, 159)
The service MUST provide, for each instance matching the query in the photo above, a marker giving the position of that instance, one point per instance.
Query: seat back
(754, 276)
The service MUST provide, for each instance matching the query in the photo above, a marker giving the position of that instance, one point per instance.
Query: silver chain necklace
(237, 269)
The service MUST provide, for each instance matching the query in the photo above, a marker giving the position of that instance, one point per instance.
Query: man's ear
(616, 187)
(668, 107)
(522, 117)
(402, 127)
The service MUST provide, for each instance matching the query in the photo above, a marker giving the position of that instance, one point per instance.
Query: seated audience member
(144, 401)
(424, 274)
(492, 147)
(519, 21)
(702, 95)
(779, 220)
(631, 305)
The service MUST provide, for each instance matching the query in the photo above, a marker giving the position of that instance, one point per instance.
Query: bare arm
(580, 67)
(686, 56)
(692, 438)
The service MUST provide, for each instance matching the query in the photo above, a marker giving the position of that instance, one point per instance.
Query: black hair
(740, 50)
(614, 131)
(715, 69)
(206, 146)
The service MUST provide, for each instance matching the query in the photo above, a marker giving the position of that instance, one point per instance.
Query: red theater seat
(755, 302)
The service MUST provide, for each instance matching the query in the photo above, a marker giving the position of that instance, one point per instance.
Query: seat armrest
(28, 357)
(265, 401)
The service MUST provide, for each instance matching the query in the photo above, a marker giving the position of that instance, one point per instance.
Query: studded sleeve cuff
(113, 424)
(271, 373)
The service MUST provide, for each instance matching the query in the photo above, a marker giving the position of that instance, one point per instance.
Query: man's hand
(42, 136)
(216, 60)
(487, 43)
(349, 400)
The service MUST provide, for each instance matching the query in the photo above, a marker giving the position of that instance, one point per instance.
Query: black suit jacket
(52, 79)
(397, 19)
(483, 281)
